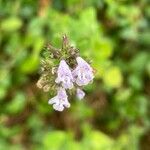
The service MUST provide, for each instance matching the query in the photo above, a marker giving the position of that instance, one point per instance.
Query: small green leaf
(11, 24)
(17, 103)
(55, 140)
(113, 77)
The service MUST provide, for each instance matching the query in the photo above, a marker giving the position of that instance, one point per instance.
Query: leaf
(55, 140)
(11, 24)
(97, 140)
(112, 77)
(17, 103)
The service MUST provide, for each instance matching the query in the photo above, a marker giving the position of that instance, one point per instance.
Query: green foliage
(63, 140)
(114, 35)
(17, 103)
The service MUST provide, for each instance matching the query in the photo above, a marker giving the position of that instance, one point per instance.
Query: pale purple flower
(60, 101)
(64, 75)
(80, 94)
(83, 73)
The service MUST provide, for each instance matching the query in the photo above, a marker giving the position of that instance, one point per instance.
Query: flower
(80, 94)
(83, 73)
(64, 75)
(60, 101)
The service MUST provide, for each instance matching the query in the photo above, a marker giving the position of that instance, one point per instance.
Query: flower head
(60, 101)
(83, 73)
(64, 78)
(80, 94)
(64, 75)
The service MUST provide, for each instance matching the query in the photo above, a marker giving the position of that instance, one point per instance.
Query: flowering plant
(72, 72)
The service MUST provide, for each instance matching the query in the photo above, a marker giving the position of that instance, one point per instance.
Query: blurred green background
(115, 35)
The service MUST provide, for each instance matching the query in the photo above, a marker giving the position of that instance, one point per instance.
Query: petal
(64, 75)
(82, 63)
(61, 93)
(83, 73)
(60, 101)
(80, 94)
(67, 104)
(80, 60)
(63, 69)
(58, 107)
(80, 82)
(54, 100)
(68, 85)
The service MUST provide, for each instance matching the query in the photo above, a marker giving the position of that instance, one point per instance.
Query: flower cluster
(73, 72)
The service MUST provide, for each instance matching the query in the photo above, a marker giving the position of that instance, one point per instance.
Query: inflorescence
(64, 71)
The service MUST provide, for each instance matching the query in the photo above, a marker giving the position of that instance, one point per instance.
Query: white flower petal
(64, 75)
(58, 107)
(80, 94)
(83, 73)
(60, 101)
(53, 100)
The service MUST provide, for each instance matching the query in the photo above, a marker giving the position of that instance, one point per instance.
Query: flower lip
(60, 101)
(80, 94)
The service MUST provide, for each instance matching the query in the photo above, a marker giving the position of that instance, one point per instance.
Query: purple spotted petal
(80, 94)
(83, 73)
(64, 75)
(60, 101)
